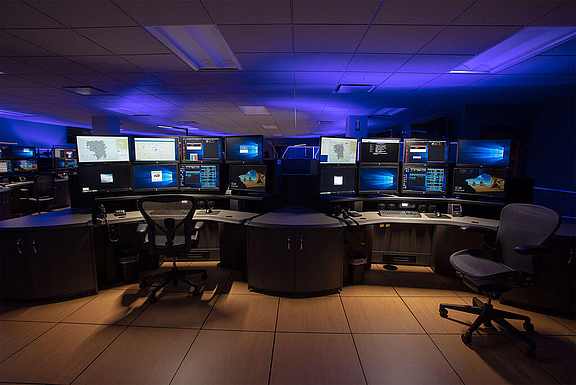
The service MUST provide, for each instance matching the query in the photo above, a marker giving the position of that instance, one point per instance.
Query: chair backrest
(43, 186)
(170, 222)
(524, 224)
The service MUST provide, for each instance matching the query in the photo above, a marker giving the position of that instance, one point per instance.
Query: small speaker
(391, 206)
(422, 208)
(518, 190)
(432, 208)
(201, 204)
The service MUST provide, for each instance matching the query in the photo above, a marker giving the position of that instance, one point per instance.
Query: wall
(31, 133)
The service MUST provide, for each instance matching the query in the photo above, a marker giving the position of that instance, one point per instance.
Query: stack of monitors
(155, 163)
(424, 166)
(64, 159)
(23, 159)
(337, 171)
(379, 161)
(199, 169)
(481, 168)
(245, 155)
(5, 160)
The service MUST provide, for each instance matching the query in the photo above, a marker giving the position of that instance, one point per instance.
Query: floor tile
(307, 358)
(227, 357)
(492, 360)
(59, 355)
(569, 323)
(177, 309)
(216, 282)
(543, 324)
(7, 306)
(416, 281)
(46, 312)
(242, 312)
(15, 335)
(379, 315)
(455, 284)
(321, 314)
(166, 266)
(111, 307)
(403, 359)
(374, 284)
(140, 356)
(236, 285)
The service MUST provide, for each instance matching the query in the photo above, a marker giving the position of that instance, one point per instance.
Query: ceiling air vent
(354, 88)
(85, 90)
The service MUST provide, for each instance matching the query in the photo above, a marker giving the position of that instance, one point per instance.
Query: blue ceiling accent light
(523, 45)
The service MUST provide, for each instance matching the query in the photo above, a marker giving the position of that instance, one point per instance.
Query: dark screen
(248, 177)
(379, 150)
(337, 180)
(424, 151)
(199, 176)
(100, 177)
(195, 149)
(4, 152)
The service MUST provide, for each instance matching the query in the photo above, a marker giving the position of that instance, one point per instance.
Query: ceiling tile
(177, 78)
(327, 38)
(467, 40)
(17, 67)
(14, 46)
(377, 62)
(568, 48)
(437, 12)
(322, 61)
(271, 77)
(397, 39)
(165, 12)
(526, 81)
(455, 80)
(225, 77)
(266, 61)
(84, 13)
(258, 38)
(565, 15)
(124, 90)
(318, 77)
(106, 64)
(16, 81)
(125, 41)
(61, 41)
(544, 65)
(334, 12)
(408, 80)
(433, 63)
(17, 14)
(160, 90)
(197, 88)
(48, 80)
(374, 78)
(158, 63)
(136, 79)
(57, 65)
(505, 12)
(248, 12)
(225, 88)
(95, 80)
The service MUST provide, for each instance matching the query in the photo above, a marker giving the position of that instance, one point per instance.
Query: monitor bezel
(359, 146)
(379, 165)
(106, 191)
(184, 188)
(475, 195)
(161, 189)
(133, 149)
(465, 165)
(220, 140)
(108, 161)
(336, 164)
(242, 161)
(249, 190)
(432, 165)
(331, 165)
(446, 149)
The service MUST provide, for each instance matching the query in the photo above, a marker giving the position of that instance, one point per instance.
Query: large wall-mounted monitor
(379, 150)
(335, 150)
(485, 182)
(5, 166)
(199, 177)
(104, 178)
(377, 179)
(155, 177)
(64, 158)
(244, 149)
(248, 177)
(423, 179)
(100, 149)
(425, 151)
(200, 149)
(156, 149)
(21, 152)
(24, 165)
(483, 152)
(337, 180)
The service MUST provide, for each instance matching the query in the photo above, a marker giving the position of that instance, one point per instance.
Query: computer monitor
(5, 152)
(423, 179)
(103, 178)
(337, 180)
(64, 158)
(24, 165)
(155, 177)
(485, 182)
(100, 149)
(244, 149)
(379, 150)
(483, 152)
(425, 151)
(5, 166)
(156, 149)
(21, 152)
(200, 149)
(199, 177)
(248, 177)
(334, 150)
(377, 179)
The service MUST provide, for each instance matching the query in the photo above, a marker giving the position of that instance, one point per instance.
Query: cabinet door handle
(34, 245)
(301, 244)
(18, 246)
(288, 243)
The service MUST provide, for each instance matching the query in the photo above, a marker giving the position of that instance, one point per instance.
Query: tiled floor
(385, 331)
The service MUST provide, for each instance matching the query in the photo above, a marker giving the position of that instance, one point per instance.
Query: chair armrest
(198, 226)
(477, 229)
(142, 228)
(196, 235)
(532, 250)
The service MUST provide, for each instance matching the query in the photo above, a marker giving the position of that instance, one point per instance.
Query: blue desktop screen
(155, 177)
(424, 180)
(244, 149)
(378, 179)
(23, 152)
(489, 152)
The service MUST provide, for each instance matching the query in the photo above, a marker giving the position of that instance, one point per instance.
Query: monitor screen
(424, 180)
(197, 149)
(489, 152)
(64, 158)
(244, 148)
(377, 179)
(199, 176)
(484, 182)
(5, 166)
(155, 176)
(18, 152)
(100, 177)
(24, 165)
(5, 152)
(337, 180)
(377, 150)
(248, 177)
(338, 150)
(156, 149)
(425, 151)
(94, 149)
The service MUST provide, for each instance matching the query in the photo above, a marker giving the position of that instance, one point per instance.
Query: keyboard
(399, 214)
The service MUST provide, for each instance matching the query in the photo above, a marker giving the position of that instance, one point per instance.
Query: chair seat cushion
(476, 263)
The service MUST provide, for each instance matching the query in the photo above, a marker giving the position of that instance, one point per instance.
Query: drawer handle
(288, 243)
(18, 246)
(301, 243)
(34, 245)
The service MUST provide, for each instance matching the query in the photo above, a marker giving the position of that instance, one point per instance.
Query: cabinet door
(15, 277)
(271, 254)
(319, 259)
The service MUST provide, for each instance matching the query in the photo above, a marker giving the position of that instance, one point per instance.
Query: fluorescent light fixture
(529, 42)
(353, 88)
(254, 110)
(202, 47)
(125, 111)
(270, 127)
(389, 111)
(15, 114)
(85, 90)
(3, 73)
(177, 128)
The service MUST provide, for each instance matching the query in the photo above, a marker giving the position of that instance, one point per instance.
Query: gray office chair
(170, 231)
(41, 194)
(523, 230)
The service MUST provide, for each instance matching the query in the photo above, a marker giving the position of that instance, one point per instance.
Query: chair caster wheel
(152, 298)
(444, 313)
(529, 327)
(204, 276)
(142, 285)
(531, 352)
(195, 293)
(466, 339)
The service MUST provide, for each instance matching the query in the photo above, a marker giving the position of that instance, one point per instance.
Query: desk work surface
(372, 218)
(295, 216)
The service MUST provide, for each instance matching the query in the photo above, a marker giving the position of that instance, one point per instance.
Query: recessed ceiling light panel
(354, 88)
(85, 90)
(254, 110)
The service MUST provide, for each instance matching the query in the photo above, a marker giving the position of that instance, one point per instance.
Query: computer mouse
(438, 214)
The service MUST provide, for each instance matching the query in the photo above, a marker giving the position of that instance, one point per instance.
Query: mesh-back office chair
(171, 231)
(522, 231)
(42, 192)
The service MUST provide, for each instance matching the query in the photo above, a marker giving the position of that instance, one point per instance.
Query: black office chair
(41, 194)
(170, 231)
(523, 230)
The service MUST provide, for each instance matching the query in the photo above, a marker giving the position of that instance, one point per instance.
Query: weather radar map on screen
(338, 150)
(102, 149)
(155, 149)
